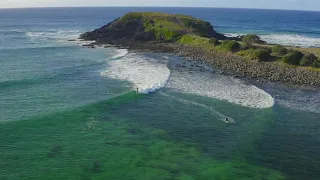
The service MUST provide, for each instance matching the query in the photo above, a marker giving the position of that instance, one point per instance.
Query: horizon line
(213, 7)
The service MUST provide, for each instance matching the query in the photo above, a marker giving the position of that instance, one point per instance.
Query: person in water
(227, 120)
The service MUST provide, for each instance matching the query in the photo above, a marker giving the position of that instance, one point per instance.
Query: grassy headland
(141, 28)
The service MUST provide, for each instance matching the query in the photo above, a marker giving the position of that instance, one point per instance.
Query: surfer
(227, 120)
(137, 90)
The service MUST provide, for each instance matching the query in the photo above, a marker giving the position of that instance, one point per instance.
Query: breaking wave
(222, 88)
(291, 40)
(144, 73)
(120, 53)
(53, 34)
(286, 39)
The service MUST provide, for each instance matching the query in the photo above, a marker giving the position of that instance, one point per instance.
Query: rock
(159, 32)
(149, 26)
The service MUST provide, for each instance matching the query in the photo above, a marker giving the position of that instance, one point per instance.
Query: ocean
(69, 112)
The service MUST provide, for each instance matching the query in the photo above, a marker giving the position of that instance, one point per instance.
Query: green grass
(168, 26)
(191, 31)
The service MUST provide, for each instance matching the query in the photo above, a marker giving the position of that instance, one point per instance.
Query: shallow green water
(66, 112)
(154, 137)
(97, 142)
(69, 126)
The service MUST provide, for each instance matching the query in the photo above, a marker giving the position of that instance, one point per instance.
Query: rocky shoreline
(232, 64)
(187, 36)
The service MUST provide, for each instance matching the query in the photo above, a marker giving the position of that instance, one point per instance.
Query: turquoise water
(69, 112)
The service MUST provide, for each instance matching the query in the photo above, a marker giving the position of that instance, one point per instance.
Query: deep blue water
(58, 119)
(278, 26)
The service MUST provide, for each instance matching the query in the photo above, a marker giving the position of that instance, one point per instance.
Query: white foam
(120, 53)
(233, 34)
(221, 116)
(286, 39)
(53, 35)
(297, 99)
(142, 73)
(291, 40)
(222, 88)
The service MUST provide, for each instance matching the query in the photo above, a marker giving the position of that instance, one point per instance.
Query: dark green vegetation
(214, 42)
(251, 39)
(230, 45)
(258, 54)
(309, 60)
(174, 28)
(293, 57)
(150, 26)
(279, 50)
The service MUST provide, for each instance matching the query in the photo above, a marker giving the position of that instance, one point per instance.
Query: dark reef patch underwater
(96, 142)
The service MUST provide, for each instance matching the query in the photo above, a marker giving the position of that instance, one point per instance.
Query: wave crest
(138, 70)
(222, 88)
(286, 39)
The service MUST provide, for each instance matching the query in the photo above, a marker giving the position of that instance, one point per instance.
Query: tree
(250, 39)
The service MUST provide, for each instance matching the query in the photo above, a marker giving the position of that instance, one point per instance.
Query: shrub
(308, 59)
(230, 46)
(193, 40)
(316, 63)
(262, 55)
(293, 57)
(164, 34)
(279, 50)
(214, 42)
(247, 53)
(250, 39)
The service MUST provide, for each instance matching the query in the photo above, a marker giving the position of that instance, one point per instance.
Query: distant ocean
(296, 28)
(69, 112)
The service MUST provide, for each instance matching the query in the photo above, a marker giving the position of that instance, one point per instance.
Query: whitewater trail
(221, 87)
(144, 73)
(221, 116)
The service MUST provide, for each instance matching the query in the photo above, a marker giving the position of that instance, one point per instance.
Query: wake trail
(221, 116)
